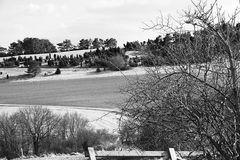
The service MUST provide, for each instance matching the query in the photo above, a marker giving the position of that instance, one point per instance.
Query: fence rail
(162, 155)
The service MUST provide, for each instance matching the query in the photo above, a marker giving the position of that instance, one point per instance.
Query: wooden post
(22, 156)
(92, 155)
(172, 153)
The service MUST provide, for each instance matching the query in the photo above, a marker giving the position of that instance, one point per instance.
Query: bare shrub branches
(193, 101)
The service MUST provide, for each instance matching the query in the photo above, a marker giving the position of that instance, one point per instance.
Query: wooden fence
(160, 155)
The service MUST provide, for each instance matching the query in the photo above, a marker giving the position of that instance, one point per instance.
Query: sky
(58, 20)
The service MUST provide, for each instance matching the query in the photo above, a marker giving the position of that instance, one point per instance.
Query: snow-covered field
(69, 73)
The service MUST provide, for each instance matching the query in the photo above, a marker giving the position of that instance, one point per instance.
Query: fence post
(92, 155)
(172, 153)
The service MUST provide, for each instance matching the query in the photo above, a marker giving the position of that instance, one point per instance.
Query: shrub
(50, 63)
(58, 71)
(63, 63)
(74, 62)
(101, 63)
(117, 63)
(9, 64)
(17, 63)
(34, 68)
(148, 61)
(98, 70)
(132, 64)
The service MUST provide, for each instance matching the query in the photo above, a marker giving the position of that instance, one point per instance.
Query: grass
(92, 92)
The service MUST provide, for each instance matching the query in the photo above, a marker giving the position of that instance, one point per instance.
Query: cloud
(18, 27)
(51, 8)
(99, 4)
(139, 2)
(33, 8)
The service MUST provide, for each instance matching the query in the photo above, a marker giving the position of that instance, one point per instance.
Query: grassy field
(92, 92)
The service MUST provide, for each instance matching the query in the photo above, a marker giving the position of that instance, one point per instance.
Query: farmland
(89, 92)
(91, 97)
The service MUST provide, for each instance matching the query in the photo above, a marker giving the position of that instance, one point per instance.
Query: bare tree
(39, 123)
(9, 141)
(193, 104)
(70, 126)
(77, 123)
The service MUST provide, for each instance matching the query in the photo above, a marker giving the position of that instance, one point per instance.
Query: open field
(95, 96)
(89, 92)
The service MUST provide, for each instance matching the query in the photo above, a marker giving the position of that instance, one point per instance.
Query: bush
(101, 63)
(58, 71)
(63, 63)
(133, 64)
(34, 68)
(50, 63)
(9, 64)
(98, 70)
(17, 63)
(74, 62)
(150, 61)
(117, 63)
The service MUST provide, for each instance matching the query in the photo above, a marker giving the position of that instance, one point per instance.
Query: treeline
(107, 58)
(114, 59)
(88, 59)
(37, 130)
(37, 46)
(83, 44)
(163, 49)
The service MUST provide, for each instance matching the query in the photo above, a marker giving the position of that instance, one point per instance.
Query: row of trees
(112, 58)
(37, 46)
(66, 45)
(194, 104)
(157, 51)
(134, 46)
(57, 60)
(36, 130)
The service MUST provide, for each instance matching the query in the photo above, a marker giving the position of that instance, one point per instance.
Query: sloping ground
(99, 92)
(95, 95)
(70, 73)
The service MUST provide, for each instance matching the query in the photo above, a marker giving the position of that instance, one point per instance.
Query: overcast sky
(57, 20)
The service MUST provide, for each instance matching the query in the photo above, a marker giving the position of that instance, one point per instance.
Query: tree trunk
(35, 147)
